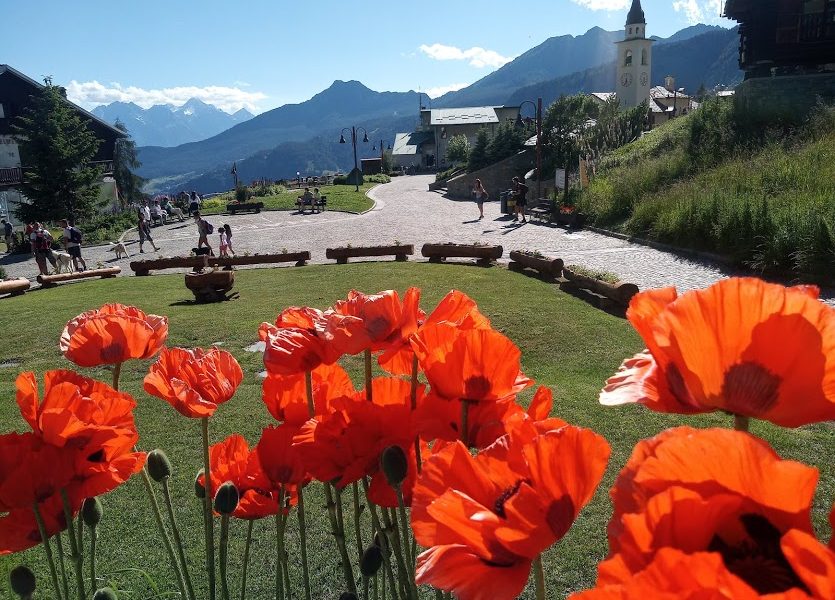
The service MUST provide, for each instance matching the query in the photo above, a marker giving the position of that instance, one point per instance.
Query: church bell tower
(634, 60)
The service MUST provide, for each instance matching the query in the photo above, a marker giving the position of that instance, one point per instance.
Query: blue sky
(264, 53)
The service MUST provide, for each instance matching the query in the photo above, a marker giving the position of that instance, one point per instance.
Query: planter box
(573, 220)
(144, 267)
(549, 267)
(341, 255)
(52, 280)
(14, 287)
(244, 206)
(440, 252)
(619, 292)
(210, 287)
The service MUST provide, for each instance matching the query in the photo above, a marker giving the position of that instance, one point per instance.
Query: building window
(644, 56)
(630, 31)
(627, 61)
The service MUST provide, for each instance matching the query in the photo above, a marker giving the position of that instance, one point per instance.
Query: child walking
(224, 241)
(228, 231)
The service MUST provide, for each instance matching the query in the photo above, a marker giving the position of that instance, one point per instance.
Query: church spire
(636, 14)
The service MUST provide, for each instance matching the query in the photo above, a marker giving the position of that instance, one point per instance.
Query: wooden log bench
(485, 255)
(401, 252)
(210, 287)
(235, 207)
(144, 267)
(620, 292)
(547, 267)
(53, 280)
(14, 287)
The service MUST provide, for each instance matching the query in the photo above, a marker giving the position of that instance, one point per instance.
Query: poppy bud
(159, 467)
(105, 594)
(394, 465)
(371, 561)
(91, 511)
(199, 490)
(226, 498)
(347, 596)
(22, 580)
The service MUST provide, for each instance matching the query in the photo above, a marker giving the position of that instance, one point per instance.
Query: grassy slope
(340, 197)
(565, 343)
(771, 208)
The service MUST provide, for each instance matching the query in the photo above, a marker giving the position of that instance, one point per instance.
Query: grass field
(566, 344)
(340, 197)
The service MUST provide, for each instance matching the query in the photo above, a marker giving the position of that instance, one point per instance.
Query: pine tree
(458, 149)
(56, 148)
(507, 142)
(124, 163)
(478, 155)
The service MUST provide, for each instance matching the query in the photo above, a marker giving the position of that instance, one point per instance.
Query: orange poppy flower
(455, 308)
(714, 490)
(194, 381)
(485, 518)
(19, 530)
(473, 365)
(372, 321)
(276, 462)
(31, 471)
(725, 348)
(391, 390)
(112, 334)
(347, 444)
(286, 396)
(296, 343)
(230, 460)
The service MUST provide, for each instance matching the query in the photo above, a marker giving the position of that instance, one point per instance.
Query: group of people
(41, 242)
(313, 200)
(204, 229)
(520, 196)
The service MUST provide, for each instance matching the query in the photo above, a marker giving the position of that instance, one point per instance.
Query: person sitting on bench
(305, 199)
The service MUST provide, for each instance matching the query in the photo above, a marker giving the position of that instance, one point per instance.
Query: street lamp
(382, 153)
(355, 172)
(538, 107)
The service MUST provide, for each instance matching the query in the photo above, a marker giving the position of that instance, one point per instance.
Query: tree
(478, 155)
(508, 140)
(124, 163)
(56, 148)
(387, 164)
(458, 149)
(562, 130)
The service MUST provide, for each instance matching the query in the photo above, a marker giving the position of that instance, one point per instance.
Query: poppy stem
(224, 555)
(279, 550)
(308, 387)
(539, 578)
(741, 422)
(208, 519)
(410, 556)
(75, 551)
(339, 536)
(117, 371)
(249, 524)
(465, 424)
(357, 514)
(62, 566)
(384, 539)
(303, 539)
(94, 534)
(369, 395)
(439, 594)
(178, 540)
(413, 399)
(53, 572)
(402, 569)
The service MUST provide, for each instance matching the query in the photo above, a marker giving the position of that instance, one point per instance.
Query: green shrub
(241, 193)
(378, 178)
(2, 273)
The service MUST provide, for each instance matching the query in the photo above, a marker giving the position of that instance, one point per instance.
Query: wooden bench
(144, 267)
(341, 255)
(550, 268)
(315, 205)
(620, 292)
(53, 280)
(437, 253)
(235, 207)
(14, 287)
(542, 210)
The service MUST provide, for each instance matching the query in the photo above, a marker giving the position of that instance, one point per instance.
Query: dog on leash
(174, 211)
(120, 250)
(63, 262)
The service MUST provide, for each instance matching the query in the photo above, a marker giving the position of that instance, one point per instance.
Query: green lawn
(566, 344)
(340, 197)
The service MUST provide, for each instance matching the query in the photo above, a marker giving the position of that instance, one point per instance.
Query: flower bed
(401, 252)
(548, 267)
(440, 252)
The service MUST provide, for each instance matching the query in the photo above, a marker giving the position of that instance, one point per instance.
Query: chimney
(670, 83)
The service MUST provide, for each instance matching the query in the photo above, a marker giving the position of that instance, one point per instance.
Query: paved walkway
(406, 212)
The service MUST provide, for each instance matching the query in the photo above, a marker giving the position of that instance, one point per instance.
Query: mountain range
(168, 125)
(304, 137)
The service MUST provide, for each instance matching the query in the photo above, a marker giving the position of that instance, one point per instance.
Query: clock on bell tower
(634, 59)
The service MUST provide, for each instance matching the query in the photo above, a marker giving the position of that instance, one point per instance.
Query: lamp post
(357, 176)
(382, 153)
(538, 107)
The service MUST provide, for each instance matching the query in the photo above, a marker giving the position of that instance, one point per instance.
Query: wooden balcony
(11, 176)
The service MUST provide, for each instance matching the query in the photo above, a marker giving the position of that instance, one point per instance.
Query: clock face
(644, 79)
(626, 79)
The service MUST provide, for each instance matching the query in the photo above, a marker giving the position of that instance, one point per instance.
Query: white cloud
(699, 11)
(92, 93)
(602, 4)
(440, 90)
(477, 57)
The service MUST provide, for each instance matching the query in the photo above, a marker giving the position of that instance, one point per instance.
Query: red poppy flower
(347, 444)
(714, 490)
(31, 471)
(296, 343)
(725, 348)
(276, 462)
(473, 365)
(485, 518)
(230, 460)
(372, 321)
(112, 334)
(456, 308)
(286, 396)
(194, 381)
(19, 530)
(391, 390)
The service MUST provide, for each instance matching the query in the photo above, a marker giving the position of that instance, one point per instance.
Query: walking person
(204, 228)
(72, 243)
(228, 231)
(41, 241)
(144, 228)
(223, 244)
(194, 203)
(520, 192)
(7, 234)
(480, 195)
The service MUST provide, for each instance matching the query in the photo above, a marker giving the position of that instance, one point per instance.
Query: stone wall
(495, 178)
(785, 98)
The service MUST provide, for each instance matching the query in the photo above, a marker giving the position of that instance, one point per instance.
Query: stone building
(634, 59)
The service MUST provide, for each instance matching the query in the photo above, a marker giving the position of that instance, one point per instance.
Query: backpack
(209, 227)
(42, 242)
(75, 235)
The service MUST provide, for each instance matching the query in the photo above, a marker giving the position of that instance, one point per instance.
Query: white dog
(63, 262)
(175, 211)
(120, 250)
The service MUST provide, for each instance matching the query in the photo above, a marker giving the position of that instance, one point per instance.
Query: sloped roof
(636, 14)
(603, 96)
(659, 91)
(408, 143)
(470, 115)
(15, 73)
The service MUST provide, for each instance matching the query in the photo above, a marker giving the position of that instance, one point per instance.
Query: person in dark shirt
(520, 193)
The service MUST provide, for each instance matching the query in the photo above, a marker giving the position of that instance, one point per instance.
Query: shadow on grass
(595, 300)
